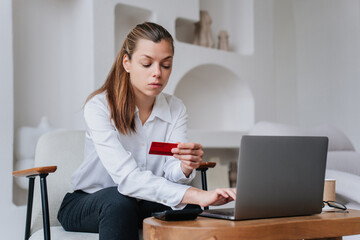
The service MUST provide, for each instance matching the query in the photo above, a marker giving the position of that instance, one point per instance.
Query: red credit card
(162, 148)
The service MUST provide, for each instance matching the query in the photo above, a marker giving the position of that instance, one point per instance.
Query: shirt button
(143, 144)
(164, 201)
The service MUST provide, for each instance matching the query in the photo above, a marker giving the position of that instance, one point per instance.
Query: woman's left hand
(190, 155)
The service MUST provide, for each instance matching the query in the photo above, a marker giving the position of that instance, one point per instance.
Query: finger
(188, 152)
(190, 164)
(222, 192)
(190, 145)
(232, 193)
(192, 158)
(227, 192)
(220, 201)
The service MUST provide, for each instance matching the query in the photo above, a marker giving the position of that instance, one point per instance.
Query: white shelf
(216, 139)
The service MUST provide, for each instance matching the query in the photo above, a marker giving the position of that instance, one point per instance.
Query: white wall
(317, 54)
(52, 61)
(45, 70)
(12, 221)
(285, 61)
(328, 63)
(53, 64)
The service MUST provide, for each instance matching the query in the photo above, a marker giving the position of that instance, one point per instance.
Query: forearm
(192, 196)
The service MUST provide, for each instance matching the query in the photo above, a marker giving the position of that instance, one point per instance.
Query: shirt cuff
(180, 206)
(171, 194)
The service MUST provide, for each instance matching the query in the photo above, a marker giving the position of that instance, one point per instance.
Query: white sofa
(343, 162)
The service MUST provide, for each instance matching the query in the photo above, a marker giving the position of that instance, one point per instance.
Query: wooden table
(327, 225)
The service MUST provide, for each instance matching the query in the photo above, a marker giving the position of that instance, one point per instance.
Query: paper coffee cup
(329, 190)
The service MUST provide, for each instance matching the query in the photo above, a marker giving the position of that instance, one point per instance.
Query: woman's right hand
(203, 198)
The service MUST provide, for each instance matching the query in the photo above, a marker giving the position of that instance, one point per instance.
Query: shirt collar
(161, 109)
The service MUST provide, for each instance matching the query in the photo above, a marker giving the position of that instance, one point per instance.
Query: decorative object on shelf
(233, 174)
(202, 34)
(223, 40)
(24, 146)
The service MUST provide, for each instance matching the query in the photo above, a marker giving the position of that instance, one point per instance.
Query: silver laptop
(278, 176)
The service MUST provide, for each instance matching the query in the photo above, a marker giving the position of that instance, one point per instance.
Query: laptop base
(225, 213)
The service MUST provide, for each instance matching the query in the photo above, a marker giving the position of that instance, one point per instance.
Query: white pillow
(277, 129)
(338, 141)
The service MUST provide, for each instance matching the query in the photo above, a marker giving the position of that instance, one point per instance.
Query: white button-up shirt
(114, 159)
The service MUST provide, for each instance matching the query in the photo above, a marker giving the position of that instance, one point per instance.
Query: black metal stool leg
(45, 206)
(29, 207)
(204, 182)
(203, 179)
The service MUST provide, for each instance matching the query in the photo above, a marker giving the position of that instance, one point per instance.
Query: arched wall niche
(126, 18)
(217, 100)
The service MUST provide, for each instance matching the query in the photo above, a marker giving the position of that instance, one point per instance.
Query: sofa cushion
(58, 233)
(338, 141)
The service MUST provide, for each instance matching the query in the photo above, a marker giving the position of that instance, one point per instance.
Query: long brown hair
(119, 92)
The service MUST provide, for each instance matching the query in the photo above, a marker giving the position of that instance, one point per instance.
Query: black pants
(107, 212)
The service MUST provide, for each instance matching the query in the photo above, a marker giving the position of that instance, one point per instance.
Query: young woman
(119, 183)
